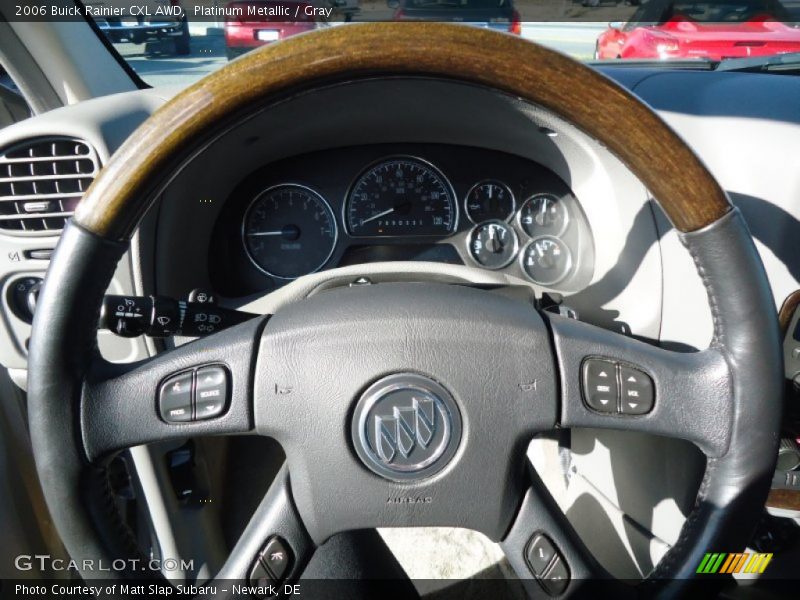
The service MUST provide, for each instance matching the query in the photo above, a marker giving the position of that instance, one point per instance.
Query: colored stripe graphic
(702, 567)
(758, 563)
(726, 566)
(716, 562)
(740, 563)
(710, 562)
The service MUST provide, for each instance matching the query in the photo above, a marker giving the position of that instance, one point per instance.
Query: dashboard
(483, 185)
(627, 269)
(400, 202)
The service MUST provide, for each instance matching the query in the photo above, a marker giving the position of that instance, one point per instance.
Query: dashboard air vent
(42, 181)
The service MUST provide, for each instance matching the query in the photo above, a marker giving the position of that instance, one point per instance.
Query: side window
(13, 106)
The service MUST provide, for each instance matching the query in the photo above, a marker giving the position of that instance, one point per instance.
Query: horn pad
(406, 426)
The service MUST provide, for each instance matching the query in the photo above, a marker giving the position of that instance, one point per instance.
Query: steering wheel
(372, 390)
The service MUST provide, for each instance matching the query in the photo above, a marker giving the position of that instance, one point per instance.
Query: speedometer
(401, 196)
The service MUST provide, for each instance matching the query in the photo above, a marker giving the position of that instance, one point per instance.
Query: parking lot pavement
(157, 64)
(575, 39)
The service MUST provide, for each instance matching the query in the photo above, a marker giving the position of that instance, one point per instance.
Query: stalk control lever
(159, 316)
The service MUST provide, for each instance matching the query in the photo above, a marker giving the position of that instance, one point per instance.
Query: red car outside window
(707, 29)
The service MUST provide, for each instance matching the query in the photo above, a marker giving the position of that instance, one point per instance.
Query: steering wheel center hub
(406, 427)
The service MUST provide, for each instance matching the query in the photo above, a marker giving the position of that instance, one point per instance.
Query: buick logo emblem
(406, 427)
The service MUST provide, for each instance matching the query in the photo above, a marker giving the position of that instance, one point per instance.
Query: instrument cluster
(533, 236)
(449, 204)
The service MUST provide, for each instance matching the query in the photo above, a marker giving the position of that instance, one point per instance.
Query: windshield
(710, 11)
(459, 4)
(175, 42)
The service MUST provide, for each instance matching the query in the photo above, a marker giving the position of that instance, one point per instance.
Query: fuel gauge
(543, 214)
(546, 260)
(493, 244)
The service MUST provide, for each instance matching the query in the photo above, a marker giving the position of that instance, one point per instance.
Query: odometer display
(401, 196)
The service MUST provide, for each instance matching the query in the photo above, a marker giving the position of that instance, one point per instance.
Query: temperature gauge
(543, 214)
(546, 260)
(493, 244)
(489, 200)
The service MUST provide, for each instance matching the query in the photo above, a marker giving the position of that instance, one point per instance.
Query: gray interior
(642, 279)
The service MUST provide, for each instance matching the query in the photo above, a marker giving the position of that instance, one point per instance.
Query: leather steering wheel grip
(746, 330)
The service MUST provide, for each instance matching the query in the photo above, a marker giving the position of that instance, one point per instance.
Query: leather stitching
(663, 569)
(718, 340)
(666, 567)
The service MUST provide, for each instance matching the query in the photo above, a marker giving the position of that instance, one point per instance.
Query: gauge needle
(543, 213)
(378, 216)
(259, 233)
(493, 245)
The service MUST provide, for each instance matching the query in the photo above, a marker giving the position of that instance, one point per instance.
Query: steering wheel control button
(406, 427)
(637, 394)
(547, 564)
(600, 387)
(277, 557)
(261, 578)
(556, 580)
(175, 398)
(211, 392)
(540, 554)
(195, 395)
(615, 388)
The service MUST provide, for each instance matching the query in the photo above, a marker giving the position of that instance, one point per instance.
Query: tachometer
(401, 196)
(288, 231)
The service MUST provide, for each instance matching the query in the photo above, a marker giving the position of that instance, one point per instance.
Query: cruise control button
(557, 578)
(175, 398)
(637, 393)
(600, 390)
(211, 392)
(277, 557)
(540, 553)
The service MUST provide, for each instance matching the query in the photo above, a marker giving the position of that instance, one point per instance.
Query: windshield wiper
(694, 64)
(788, 63)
